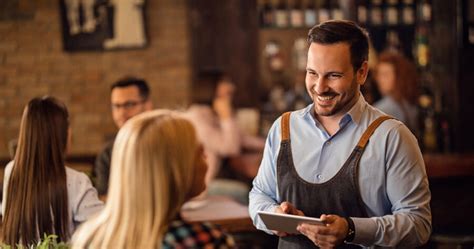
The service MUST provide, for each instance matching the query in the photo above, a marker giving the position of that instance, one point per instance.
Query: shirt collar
(354, 114)
(356, 111)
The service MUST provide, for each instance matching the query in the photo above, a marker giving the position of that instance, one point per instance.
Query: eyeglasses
(127, 105)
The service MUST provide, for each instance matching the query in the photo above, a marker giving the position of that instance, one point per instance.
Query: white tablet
(286, 222)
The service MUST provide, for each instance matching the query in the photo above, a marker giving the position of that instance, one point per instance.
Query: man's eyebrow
(334, 72)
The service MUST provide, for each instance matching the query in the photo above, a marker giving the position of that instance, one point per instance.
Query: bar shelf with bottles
(405, 25)
(297, 14)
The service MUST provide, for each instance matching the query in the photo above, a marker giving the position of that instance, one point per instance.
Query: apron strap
(285, 129)
(370, 130)
(285, 126)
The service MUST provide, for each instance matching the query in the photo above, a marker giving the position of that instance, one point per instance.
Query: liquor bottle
(299, 53)
(281, 15)
(310, 14)
(323, 13)
(266, 14)
(376, 12)
(408, 13)
(421, 47)
(391, 12)
(425, 11)
(362, 12)
(393, 41)
(296, 14)
(430, 140)
(336, 12)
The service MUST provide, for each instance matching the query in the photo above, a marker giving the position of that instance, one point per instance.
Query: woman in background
(397, 81)
(157, 165)
(212, 115)
(41, 195)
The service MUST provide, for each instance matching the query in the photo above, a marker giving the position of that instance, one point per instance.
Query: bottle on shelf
(281, 15)
(323, 12)
(429, 140)
(299, 54)
(393, 41)
(362, 12)
(421, 47)
(391, 12)
(296, 15)
(267, 18)
(336, 12)
(408, 13)
(425, 11)
(376, 17)
(310, 14)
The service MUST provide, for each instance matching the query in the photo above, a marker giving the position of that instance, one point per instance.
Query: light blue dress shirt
(392, 175)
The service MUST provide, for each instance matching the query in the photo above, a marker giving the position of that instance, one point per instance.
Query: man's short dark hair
(141, 84)
(335, 31)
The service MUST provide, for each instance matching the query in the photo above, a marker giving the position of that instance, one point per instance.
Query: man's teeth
(325, 98)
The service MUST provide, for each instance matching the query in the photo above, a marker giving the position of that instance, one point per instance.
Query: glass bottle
(281, 15)
(391, 12)
(296, 14)
(266, 14)
(408, 13)
(310, 14)
(376, 12)
(323, 13)
(362, 12)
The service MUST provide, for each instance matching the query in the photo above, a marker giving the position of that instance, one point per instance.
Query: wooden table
(224, 211)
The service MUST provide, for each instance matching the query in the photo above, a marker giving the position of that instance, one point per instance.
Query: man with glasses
(129, 96)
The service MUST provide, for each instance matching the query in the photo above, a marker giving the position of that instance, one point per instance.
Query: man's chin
(328, 111)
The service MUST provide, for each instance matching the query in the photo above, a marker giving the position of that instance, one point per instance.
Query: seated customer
(212, 113)
(129, 96)
(41, 195)
(157, 165)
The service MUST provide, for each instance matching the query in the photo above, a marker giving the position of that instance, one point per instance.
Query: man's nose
(320, 86)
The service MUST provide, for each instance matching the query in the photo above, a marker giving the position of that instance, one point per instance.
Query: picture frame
(103, 24)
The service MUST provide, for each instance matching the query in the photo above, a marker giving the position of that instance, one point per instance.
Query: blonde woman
(157, 165)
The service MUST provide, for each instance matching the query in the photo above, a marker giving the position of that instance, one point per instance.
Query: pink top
(220, 137)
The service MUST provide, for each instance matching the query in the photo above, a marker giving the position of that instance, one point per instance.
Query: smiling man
(129, 96)
(318, 161)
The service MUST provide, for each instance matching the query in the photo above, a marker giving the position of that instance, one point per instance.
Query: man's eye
(335, 76)
(129, 104)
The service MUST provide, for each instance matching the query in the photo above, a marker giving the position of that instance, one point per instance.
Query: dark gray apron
(340, 195)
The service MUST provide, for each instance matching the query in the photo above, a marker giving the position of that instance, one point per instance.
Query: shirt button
(319, 176)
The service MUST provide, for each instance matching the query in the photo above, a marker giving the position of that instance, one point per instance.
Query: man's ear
(362, 73)
(148, 105)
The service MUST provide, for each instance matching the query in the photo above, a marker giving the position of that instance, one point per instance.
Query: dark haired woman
(41, 195)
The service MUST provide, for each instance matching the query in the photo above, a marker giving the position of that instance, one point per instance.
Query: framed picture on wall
(102, 24)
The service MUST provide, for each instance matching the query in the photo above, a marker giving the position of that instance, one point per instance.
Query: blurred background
(75, 49)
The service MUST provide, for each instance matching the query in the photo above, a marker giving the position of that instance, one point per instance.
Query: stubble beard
(343, 104)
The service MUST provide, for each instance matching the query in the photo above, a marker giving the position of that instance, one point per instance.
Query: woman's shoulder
(196, 235)
(75, 174)
(77, 180)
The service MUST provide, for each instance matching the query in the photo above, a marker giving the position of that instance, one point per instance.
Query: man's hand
(328, 236)
(286, 208)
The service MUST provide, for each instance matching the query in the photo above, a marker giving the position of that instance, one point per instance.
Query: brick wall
(32, 63)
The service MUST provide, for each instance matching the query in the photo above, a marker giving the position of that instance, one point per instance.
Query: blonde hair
(152, 172)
